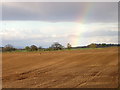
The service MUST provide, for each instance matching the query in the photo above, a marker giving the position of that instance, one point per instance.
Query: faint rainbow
(75, 40)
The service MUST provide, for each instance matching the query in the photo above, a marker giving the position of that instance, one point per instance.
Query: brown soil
(88, 68)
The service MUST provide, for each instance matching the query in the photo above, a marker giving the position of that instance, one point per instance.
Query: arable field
(85, 68)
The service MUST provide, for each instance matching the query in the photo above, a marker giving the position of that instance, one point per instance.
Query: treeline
(55, 46)
(94, 45)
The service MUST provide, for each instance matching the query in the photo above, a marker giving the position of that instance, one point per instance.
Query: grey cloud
(100, 33)
(91, 34)
(45, 41)
(61, 11)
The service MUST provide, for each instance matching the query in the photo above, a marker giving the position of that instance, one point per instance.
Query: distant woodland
(54, 46)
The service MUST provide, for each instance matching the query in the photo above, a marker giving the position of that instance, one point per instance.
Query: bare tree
(69, 46)
(56, 46)
(33, 48)
(8, 47)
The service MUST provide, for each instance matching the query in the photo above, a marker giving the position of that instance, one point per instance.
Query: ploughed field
(85, 68)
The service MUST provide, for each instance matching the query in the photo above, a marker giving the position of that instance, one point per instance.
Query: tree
(104, 45)
(92, 45)
(27, 48)
(56, 46)
(68, 46)
(9, 47)
(33, 48)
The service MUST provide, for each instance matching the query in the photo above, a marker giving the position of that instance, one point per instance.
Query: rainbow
(75, 41)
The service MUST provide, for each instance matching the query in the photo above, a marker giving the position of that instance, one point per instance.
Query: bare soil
(87, 68)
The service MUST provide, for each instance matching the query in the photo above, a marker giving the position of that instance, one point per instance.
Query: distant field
(83, 68)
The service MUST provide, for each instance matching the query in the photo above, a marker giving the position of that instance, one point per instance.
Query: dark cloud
(61, 11)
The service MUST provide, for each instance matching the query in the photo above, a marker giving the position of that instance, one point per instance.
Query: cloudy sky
(42, 23)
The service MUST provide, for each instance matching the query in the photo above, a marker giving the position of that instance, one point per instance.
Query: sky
(43, 23)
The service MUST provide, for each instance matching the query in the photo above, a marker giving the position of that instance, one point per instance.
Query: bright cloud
(42, 33)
